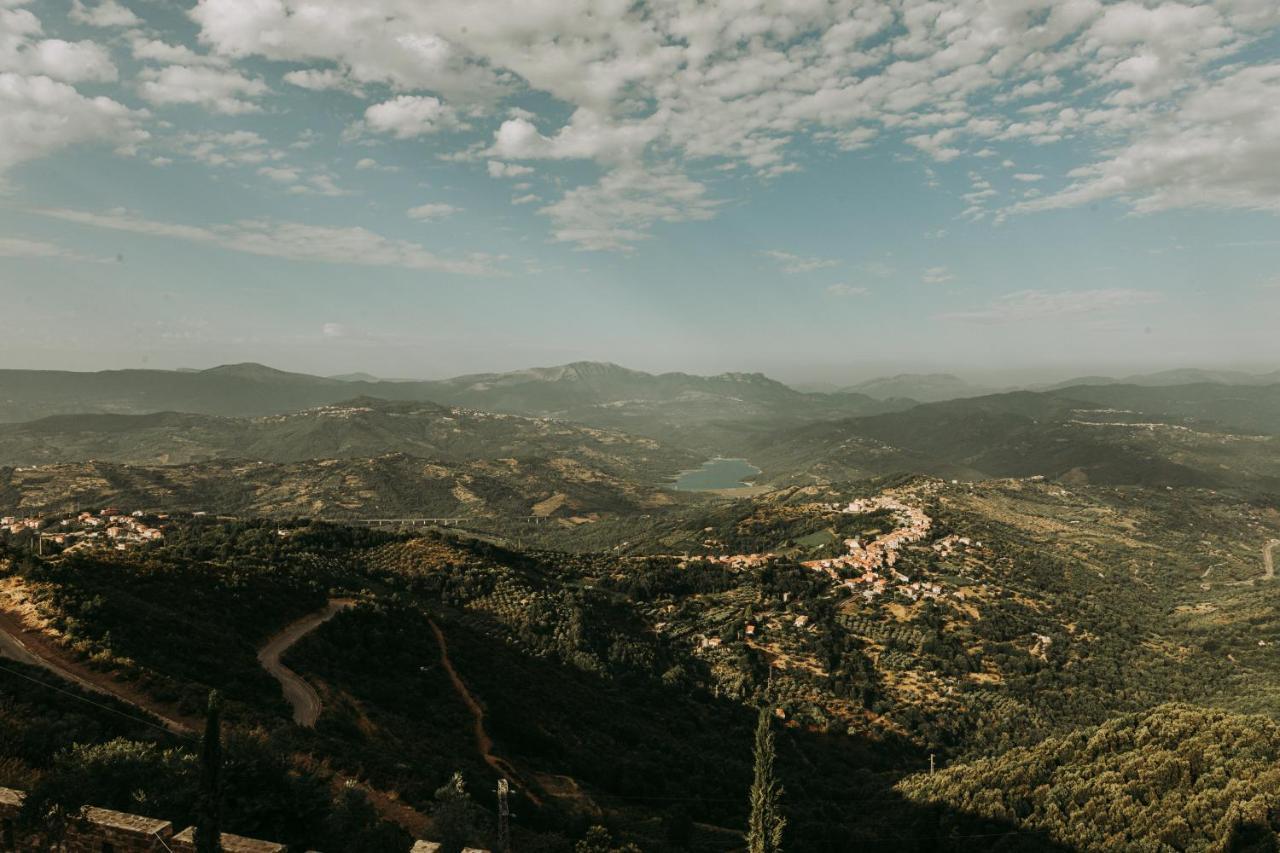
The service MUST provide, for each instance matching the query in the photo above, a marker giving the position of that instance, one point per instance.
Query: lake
(716, 474)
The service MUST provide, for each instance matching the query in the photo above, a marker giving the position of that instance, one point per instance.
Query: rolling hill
(1204, 435)
(363, 427)
(393, 485)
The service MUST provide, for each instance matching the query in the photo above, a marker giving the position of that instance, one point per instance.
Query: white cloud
(790, 263)
(528, 198)
(847, 290)
(620, 210)
(321, 79)
(320, 183)
(507, 170)
(106, 14)
(1219, 148)
(21, 247)
(231, 148)
(71, 62)
(155, 50)
(430, 212)
(366, 164)
(588, 135)
(382, 41)
(220, 90)
(279, 174)
(1028, 305)
(936, 275)
(290, 240)
(665, 87)
(39, 115)
(1028, 177)
(408, 116)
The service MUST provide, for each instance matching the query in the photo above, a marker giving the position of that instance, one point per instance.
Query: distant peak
(252, 370)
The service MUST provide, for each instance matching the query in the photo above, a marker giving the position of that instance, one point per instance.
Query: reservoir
(716, 473)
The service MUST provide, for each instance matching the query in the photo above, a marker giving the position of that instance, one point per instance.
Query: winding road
(300, 695)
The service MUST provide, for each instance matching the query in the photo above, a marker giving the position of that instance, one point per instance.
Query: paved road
(299, 694)
(1268, 560)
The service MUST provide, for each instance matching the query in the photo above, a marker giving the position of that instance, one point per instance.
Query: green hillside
(1175, 777)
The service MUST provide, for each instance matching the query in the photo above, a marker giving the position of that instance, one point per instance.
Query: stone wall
(105, 831)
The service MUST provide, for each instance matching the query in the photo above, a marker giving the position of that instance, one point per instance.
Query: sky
(821, 190)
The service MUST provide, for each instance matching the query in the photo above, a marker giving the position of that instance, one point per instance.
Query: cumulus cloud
(23, 51)
(230, 148)
(430, 212)
(281, 175)
(791, 263)
(72, 62)
(1217, 149)
(382, 42)
(1027, 305)
(936, 275)
(39, 115)
(622, 208)
(106, 14)
(220, 90)
(321, 79)
(498, 169)
(154, 50)
(658, 87)
(290, 240)
(408, 116)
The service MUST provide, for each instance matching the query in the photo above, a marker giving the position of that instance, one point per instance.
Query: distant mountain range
(937, 387)
(924, 387)
(586, 392)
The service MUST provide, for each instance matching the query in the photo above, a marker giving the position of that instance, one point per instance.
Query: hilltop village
(109, 527)
(867, 567)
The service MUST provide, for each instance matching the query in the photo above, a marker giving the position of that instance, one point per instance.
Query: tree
(458, 821)
(600, 840)
(208, 834)
(764, 827)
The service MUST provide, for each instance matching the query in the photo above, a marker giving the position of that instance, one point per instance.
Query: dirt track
(484, 744)
(300, 695)
(30, 647)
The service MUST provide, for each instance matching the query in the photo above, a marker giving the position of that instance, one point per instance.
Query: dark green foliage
(208, 832)
(1184, 777)
(766, 823)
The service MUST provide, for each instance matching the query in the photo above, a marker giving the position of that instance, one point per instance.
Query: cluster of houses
(867, 568)
(872, 562)
(109, 527)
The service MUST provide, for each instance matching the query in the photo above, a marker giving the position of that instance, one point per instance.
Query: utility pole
(504, 817)
(931, 764)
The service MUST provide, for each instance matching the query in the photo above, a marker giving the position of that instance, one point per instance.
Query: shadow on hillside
(651, 757)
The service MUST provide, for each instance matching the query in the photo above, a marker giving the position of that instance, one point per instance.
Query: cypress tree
(764, 829)
(209, 817)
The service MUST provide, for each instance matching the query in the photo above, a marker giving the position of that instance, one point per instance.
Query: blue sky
(819, 190)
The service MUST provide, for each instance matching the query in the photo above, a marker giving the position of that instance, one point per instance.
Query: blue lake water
(717, 474)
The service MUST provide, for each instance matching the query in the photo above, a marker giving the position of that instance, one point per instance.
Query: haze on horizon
(823, 192)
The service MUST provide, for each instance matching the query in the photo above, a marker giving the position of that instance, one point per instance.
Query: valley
(393, 591)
